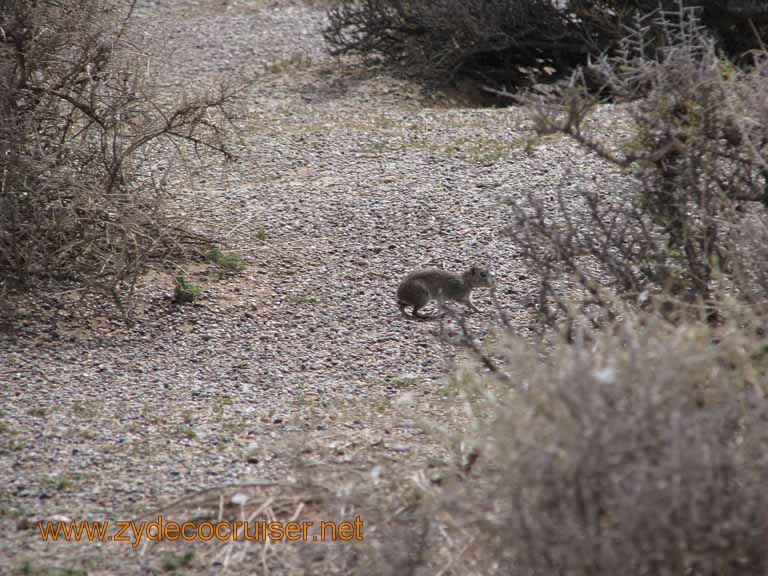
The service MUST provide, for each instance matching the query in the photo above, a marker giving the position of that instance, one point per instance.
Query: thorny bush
(642, 452)
(696, 224)
(80, 134)
(497, 43)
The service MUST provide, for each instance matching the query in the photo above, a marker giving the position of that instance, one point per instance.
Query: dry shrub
(440, 39)
(499, 43)
(697, 150)
(644, 453)
(80, 134)
(738, 25)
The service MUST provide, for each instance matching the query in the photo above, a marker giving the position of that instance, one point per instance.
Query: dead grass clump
(297, 528)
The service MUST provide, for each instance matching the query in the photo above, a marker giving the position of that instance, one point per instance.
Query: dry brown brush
(641, 453)
(694, 226)
(497, 43)
(81, 136)
(441, 39)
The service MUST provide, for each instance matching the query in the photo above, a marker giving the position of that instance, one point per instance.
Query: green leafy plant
(227, 263)
(185, 291)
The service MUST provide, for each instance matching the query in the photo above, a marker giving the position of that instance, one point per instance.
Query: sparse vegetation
(186, 432)
(57, 483)
(405, 382)
(32, 569)
(632, 442)
(84, 410)
(227, 263)
(296, 61)
(499, 43)
(301, 299)
(77, 112)
(695, 229)
(440, 40)
(185, 291)
(174, 562)
(635, 444)
(592, 463)
(220, 407)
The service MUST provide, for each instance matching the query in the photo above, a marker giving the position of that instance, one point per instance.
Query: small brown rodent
(421, 286)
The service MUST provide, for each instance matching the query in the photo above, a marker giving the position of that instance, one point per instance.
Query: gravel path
(345, 181)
